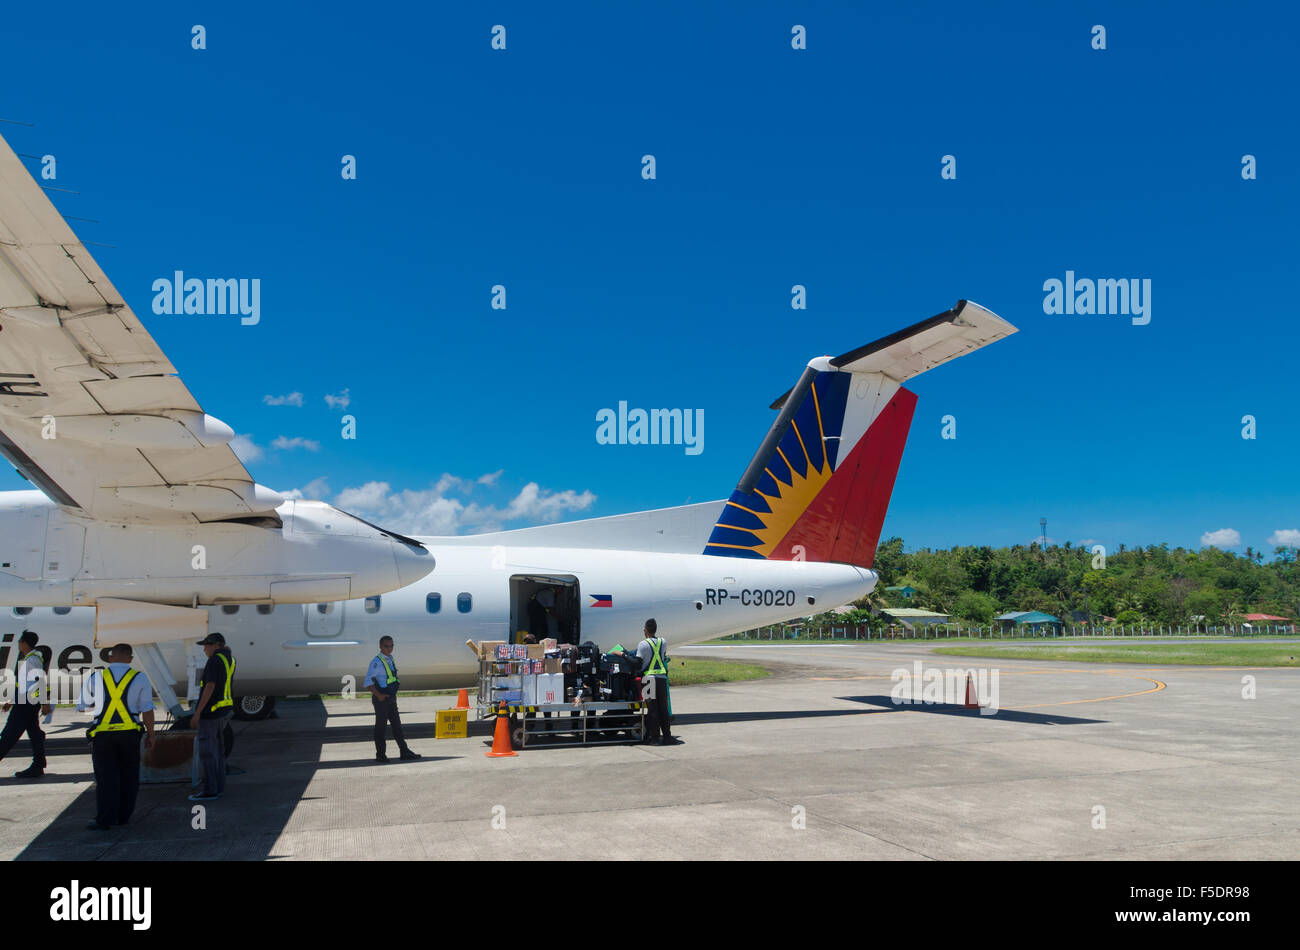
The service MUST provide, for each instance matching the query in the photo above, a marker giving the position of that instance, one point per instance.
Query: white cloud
(1285, 537)
(491, 477)
(432, 512)
(297, 442)
(339, 400)
(314, 490)
(1223, 538)
(540, 506)
(289, 399)
(370, 496)
(245, 449)
(451, 483)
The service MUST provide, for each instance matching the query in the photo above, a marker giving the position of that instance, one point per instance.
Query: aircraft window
(22, 611)
(433, 603)
(464, 603)
(324, 608)
(230, 608)
(62, 610)
(265, 608)
(372, 604)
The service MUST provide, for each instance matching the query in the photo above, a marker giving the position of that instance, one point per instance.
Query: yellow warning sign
(452, 724)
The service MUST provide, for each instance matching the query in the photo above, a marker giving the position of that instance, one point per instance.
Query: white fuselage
(310, 648)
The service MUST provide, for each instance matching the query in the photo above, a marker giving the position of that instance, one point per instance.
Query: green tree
(975, 607)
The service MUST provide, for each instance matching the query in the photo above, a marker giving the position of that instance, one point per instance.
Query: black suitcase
(616, 678)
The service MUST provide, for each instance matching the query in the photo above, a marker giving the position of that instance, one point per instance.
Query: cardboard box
(529, 690)
(551, 664)
(487, 649)
(550, 689)
(503, 651)
(549, 643)
(518, 651)
(452, 724)
(535, 651)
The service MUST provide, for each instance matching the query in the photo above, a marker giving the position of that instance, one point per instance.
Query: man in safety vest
(211, 712)
(653, 655)
(25, 711)
(381, 677)
(123, 702)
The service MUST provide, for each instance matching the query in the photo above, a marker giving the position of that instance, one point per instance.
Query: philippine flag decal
(601, 600)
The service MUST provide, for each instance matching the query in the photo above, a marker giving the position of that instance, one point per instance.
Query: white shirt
(377, 674)
(139, 695)
(32, 679)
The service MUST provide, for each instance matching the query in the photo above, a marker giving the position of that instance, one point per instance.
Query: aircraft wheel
(253, 708)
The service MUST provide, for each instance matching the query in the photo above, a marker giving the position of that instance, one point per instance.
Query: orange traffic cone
(462, 701)
(501, 738)
(972, 698)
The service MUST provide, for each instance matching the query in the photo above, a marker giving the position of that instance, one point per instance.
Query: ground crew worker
(25, 711)
(381, 677)
(653, 655)
(211, 713)
(123, 702)
(537, 626)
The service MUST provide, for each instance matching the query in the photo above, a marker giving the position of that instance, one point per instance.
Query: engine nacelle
(50, 557)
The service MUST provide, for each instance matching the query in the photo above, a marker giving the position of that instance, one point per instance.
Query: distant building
(1029, 618)
(912, 617)
(905, 591)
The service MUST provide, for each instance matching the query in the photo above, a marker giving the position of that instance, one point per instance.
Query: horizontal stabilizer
(923, 346)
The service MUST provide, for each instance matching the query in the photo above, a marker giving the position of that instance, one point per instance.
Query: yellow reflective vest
(115, 717)
(656, 666)
(225, 699)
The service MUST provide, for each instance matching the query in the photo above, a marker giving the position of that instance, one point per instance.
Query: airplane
(134, 480)
(144, 512)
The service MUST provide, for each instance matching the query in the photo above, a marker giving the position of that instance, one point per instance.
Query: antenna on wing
(66, 191)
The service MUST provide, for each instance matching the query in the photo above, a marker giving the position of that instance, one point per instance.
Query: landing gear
(253, 708)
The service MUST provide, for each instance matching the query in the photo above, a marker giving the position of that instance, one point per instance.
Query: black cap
(211, 638)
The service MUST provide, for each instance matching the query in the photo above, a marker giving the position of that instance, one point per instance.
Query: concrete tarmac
(1081, 761)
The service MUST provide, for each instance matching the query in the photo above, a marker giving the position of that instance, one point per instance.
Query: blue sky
(819, 167)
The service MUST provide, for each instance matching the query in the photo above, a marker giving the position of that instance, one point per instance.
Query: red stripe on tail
(842, 524)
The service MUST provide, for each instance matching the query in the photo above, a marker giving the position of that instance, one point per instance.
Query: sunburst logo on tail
(753, 523)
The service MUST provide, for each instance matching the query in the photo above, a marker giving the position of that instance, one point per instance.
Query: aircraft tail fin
(819, 484)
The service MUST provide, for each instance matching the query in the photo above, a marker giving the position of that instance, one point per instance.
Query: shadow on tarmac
(942, 709)
(740, 715)
(272, 764)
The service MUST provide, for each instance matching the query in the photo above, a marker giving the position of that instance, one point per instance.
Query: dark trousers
(385, 712)
(210, 746)
(24, 717)
(657, 710)
(116, 757)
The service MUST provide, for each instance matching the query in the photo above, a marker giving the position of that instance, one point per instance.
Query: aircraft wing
(91, 410)
(923, 346)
